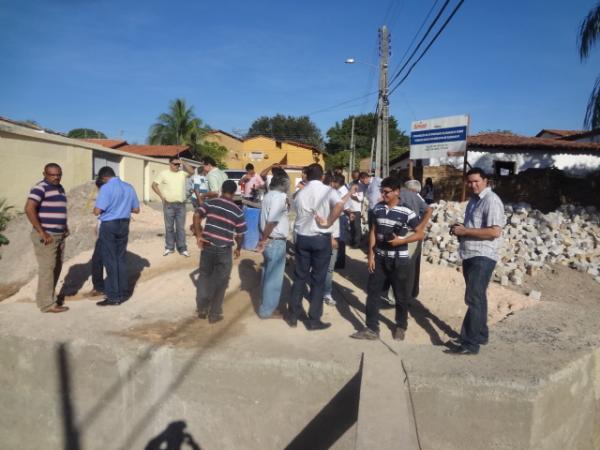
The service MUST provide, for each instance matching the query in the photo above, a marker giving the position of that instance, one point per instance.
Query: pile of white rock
(532, 240)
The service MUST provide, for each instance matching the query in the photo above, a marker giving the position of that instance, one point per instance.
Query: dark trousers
(399, 274)
(97, 267)
(417, 269)
(113, 244)
(477, 272)
(312, 259)
(213, 278)
(355, 231)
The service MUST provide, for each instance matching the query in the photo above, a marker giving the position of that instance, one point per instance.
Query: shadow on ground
(78, 274)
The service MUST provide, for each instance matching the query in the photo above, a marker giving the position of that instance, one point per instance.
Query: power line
(456, 8)
(437, 17)
(416, 34)
(329, 108)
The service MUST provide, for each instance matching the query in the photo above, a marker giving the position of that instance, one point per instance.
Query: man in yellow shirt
(170, 186)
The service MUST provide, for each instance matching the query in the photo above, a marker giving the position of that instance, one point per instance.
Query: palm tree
(178, 126)
(588, 34)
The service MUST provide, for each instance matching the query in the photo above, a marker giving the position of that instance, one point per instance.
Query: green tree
(216, 151)
(365, 129)
(179, 126)
(588, 34)
(287, 128)
(85, 133)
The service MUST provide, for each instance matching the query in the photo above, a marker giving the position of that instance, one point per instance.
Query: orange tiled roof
(108, 143)
(559, 133)
(513, 141)
(155, 150)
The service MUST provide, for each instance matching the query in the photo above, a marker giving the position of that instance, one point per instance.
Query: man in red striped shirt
(46, 209)
(224, 224)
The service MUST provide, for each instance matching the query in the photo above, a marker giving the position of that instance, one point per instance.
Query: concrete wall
(25, 152)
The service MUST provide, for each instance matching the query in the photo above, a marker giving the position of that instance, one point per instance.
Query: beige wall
(25, 152)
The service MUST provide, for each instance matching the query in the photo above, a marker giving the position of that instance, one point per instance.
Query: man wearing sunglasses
(389, 258)
(170, 186)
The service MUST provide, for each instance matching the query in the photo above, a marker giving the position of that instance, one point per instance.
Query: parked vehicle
(235, 175)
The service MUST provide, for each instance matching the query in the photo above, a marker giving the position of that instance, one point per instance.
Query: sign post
(440, 138)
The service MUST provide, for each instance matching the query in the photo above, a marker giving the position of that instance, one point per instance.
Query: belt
(277, 239)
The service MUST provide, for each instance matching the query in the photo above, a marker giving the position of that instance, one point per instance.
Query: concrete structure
(263, 151)
(25, 151)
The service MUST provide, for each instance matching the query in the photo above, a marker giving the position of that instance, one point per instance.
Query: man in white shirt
(354, 211)
(274, 226)
(317, 207)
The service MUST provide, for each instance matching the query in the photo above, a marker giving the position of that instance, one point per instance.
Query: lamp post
(382, 147)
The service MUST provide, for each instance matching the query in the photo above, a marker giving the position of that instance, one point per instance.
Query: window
(102, 159)
(504, 168)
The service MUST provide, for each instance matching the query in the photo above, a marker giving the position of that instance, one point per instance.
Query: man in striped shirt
(389, 259)
(224, 224)
(46, 209)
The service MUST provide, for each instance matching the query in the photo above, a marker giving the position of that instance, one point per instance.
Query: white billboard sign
(438, 138)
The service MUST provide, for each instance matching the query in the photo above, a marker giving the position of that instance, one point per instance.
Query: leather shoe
(461, 351)
(202, 315)
(215, 319)
(107, 302)
(291, 321)
(57, 309)
(317, 325)
(399, 334)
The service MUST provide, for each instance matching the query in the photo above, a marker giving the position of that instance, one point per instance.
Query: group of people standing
(325, 207)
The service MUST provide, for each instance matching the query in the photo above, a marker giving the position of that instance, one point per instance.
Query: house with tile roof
(506, 154)
(263, 151)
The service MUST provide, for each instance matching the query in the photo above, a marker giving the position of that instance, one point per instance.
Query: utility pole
(382, 148)
(352, 159)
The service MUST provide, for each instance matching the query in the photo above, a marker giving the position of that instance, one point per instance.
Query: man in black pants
(224, 224)
(389, 259)
(317, 208)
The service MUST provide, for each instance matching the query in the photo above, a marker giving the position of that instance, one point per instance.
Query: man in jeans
(46, 209)
(480, 240)
(170, 186)
(389, 259)
(224, 224)
(274, 225)
(115, 202)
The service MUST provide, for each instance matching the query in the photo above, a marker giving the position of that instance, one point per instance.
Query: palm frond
(588, 32)
(592, 113)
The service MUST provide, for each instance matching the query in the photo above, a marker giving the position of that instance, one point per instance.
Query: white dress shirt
(314, 199)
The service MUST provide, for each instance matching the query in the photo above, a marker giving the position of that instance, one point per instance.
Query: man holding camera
(480, 239)
(389, 259)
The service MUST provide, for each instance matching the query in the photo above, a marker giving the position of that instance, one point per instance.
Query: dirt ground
(163, 282)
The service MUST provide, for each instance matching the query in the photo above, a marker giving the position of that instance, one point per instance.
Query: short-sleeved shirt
(372, 192)
(116, 199)
(483, 211)
(312, 200)
(216, 177)
(274, 208)
(413, 201)
(224, 219)
(253, 183)
(51, 206)
(355, 205)
(172, 185)
(397, 220)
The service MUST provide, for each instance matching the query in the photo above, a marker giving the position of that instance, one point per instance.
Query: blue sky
(115, 65)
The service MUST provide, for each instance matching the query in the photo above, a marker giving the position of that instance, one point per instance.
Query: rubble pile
(532, 240)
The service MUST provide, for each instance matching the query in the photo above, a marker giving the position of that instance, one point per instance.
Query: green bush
(5, 217)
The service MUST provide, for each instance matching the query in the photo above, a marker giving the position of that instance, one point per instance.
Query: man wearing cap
(170, 186)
